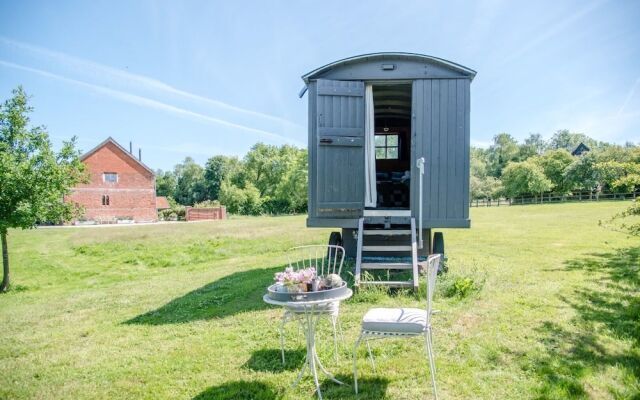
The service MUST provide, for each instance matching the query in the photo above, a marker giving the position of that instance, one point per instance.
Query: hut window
(111, 177)
(105, 200)
(387, 147)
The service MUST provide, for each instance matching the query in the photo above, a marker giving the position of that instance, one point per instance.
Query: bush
(176, 212)
(207, 204)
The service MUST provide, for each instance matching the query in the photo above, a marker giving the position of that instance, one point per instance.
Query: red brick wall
(199, 214)
(132, 196)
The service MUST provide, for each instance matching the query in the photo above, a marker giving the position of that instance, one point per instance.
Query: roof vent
(388, 67)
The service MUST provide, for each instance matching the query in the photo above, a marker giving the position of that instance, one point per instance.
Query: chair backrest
(326, 259)
(433, 264)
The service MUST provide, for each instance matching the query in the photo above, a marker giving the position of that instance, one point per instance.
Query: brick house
(121, 187)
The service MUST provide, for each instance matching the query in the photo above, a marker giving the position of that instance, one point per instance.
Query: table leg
(312, 361)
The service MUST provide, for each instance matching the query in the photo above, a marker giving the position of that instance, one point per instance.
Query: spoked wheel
(438, 248)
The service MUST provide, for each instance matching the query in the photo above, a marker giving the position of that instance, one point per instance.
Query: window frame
(386, 146)
(105, 180)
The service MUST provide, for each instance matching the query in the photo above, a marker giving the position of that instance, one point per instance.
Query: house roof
(581, 148)
(162, 203)
(112, 141)
(389, 56)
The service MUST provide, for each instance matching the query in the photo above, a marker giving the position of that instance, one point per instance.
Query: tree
(524, 178)
(581, 173)
(503, 150)
(554, 163)
(563, 139)
(534, 145)
(216, 170)
(165, 183)
(33, 178)
(190, 187)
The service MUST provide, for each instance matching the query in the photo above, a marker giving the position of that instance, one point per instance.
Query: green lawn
(175, 311)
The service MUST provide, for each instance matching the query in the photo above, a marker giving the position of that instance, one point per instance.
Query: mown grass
(539, 303)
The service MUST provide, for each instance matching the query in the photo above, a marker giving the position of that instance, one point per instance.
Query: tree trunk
(5, 262)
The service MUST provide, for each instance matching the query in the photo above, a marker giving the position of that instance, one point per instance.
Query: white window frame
(104, 177)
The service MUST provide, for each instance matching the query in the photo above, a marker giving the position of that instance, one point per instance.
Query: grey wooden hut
(389, 157)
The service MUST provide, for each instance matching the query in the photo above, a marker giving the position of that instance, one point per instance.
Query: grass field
(174, 311)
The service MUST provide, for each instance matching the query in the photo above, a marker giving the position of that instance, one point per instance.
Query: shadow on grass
(271, 360)
(368, 388)
(238, 390)
(232, 294)
(609, 306)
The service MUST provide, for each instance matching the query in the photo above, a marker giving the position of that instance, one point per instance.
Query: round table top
(348, 293)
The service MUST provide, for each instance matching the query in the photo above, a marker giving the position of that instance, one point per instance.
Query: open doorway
(392, 108)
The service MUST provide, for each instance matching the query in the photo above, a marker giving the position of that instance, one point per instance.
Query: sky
(201, 78)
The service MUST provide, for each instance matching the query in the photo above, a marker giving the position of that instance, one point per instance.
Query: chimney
(139, 154)
(130, 147)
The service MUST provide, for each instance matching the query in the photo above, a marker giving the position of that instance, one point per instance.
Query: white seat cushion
(399, 320)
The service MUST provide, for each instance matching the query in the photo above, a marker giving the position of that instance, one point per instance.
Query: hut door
(340, 144)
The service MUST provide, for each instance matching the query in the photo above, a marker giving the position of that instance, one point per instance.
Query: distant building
(121, 187)
(580, 149)
(162, 203)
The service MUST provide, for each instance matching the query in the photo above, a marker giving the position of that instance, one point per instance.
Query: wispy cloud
(130, 79)
(552, 31)
(630, 94)
(149, 103)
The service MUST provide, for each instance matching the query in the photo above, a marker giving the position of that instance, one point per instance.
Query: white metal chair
(380, 323)
(326, 259)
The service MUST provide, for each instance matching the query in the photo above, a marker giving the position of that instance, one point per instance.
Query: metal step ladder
(387, 218)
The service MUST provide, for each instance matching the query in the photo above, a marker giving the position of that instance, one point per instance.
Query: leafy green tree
(581, 173)
(613, 174)
(485, 188)
(534, 145)
(216, 170)
(554, 163)
(165, 183)
(503, 150)
(33, 177)
(524, 178)
(563, 139)
(240, 200)
(190, 186)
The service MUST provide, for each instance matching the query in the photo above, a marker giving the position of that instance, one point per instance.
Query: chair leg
(432, 364)
(373, 363)
(281, 331)
(335, 337)
(355, 368)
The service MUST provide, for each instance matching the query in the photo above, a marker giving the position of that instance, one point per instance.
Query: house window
(105, 200)
(387, 147)
(110, 177)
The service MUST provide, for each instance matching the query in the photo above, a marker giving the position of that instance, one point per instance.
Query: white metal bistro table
(312, 313)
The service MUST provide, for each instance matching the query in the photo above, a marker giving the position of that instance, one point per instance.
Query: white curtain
(370, 194)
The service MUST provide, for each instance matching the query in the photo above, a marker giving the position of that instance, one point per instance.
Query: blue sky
(199, 78)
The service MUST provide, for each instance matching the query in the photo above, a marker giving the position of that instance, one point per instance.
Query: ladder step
(388, 283)
(383, 265)
(387, 232)
(386, 213)
(386, 248)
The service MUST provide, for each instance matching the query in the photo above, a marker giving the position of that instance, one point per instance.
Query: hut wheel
(335, 239)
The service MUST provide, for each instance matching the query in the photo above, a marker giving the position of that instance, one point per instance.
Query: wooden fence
(200, 214)
(551, 198)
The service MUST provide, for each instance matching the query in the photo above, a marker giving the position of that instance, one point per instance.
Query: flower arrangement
(304, 280)
(295, 281)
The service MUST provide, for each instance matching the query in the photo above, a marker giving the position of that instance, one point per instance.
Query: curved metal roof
(387, 56)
